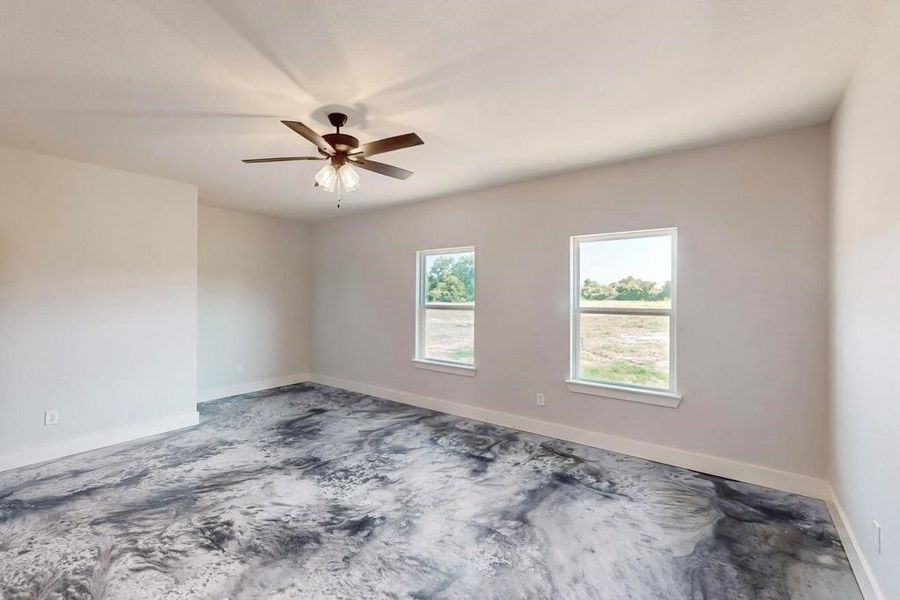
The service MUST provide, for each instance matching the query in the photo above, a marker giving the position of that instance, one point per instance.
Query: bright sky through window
(648, 258)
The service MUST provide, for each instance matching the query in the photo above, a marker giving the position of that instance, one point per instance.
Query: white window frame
(662, 397)
(422, 304)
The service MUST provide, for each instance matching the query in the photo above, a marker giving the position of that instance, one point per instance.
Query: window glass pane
(450, 278)
(450, 335)
(634, 272)
(625, 349)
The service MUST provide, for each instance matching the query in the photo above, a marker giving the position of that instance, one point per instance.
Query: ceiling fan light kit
(349, 178)
(326, 178)
(342, 151)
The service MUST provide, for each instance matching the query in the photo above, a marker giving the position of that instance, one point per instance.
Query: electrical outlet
(51, 417)
(540, 399)
(239, 368)
(876, 536)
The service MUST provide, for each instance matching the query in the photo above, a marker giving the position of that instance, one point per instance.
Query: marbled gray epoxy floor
(313, 492)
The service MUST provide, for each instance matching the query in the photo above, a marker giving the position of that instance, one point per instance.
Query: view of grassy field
(612, 303)
(627, 349)
(449, 335)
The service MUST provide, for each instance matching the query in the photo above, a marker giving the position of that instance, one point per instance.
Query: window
(623, 311)
(445, 309)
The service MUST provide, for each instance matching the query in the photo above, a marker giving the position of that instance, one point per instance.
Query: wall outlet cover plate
(51, 417)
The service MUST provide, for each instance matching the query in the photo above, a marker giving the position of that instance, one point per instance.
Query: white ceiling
(498, 89)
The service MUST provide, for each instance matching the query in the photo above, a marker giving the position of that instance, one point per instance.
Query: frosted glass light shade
(349, 178)
(327, 178)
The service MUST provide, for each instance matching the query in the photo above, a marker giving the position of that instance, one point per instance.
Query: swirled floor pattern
(309, 491)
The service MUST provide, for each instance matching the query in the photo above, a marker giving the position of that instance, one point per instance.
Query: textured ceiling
(498, 89)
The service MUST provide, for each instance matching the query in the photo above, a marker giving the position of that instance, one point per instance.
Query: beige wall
(865, 411)
(253, 289)
(752, 219)
(98, 305)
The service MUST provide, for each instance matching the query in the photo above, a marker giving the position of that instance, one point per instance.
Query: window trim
(611, 389)
(419, 360)
(444, 367)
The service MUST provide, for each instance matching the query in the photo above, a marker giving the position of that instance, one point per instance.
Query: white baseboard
(723, 467)
(250, 386)
(100, 439)
(858, 562)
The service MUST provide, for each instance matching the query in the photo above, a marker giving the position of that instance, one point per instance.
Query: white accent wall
(98, 306)
(253, 302)
(865, 410)
(752, 219)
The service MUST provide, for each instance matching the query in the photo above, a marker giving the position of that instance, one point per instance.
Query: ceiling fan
(342, 150)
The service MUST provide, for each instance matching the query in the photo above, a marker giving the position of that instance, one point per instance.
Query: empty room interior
(497, 299)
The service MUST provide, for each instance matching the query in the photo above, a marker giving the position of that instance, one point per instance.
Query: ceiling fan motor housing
(342, 143)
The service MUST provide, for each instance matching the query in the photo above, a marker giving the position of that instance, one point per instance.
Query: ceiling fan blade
(381, 168)
(283, 158)
(320, 142)
(398, 142)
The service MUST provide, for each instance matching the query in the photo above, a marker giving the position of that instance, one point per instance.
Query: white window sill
(442, 367)
(667, 399)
